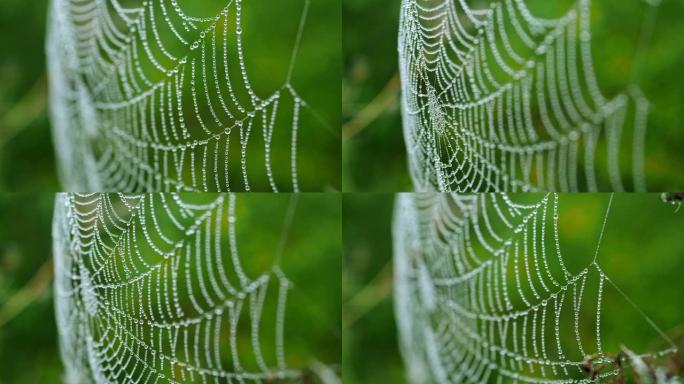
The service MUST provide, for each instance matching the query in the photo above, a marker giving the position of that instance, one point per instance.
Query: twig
(27, 294)
(368, 297)
(379, 104)
(32, 104)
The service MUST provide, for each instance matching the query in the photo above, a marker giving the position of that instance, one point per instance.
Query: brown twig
(32, 104)
(368, 297)
(34, 289)
(385, 99)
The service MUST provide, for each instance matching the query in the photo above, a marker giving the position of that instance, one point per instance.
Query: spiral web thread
(149, 290)
(484, 293)
(497, 99)
(146, 97)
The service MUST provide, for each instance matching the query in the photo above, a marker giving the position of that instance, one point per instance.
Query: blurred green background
(373, 151)
(311, 259)
(642, 252)
(27, 160)
(26, 153)
(370, 351)
(28, 335)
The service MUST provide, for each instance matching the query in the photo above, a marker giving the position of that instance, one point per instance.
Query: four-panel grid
(328, 191)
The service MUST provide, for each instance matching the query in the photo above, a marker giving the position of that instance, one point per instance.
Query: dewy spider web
(485, 294)
(150, 98)
(496, 99)
(149, 289)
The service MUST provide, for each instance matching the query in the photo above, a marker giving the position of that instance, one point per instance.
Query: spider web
(150, 288)
(497, 99)
(147, 97)
(485, 294)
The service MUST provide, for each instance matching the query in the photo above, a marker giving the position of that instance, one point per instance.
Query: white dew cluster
(145, 98)
(485, 294)
(150, 289)
(497, 99)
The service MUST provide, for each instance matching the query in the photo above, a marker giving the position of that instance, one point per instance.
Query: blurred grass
(374, 158)
(369, 345)
(28, 334)
(26, 153)
(642, 252)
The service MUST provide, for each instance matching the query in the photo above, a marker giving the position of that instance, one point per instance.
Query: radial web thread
(151, 289)
(146, 97)
(485, 293)
(497, 99)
